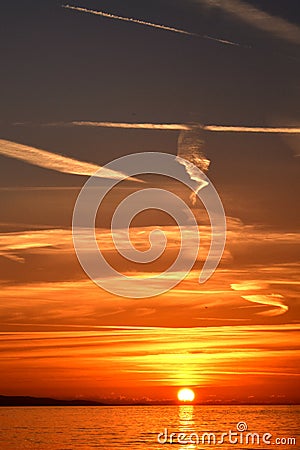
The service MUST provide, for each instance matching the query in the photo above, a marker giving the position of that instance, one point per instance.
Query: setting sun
(186, 395)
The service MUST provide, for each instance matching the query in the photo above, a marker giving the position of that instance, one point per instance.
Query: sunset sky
(66, 77)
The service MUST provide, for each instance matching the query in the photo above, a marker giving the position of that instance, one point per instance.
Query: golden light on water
(186, 395)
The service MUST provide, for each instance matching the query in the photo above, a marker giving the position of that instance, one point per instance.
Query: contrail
(135, 126)
(248, 13)
(129, 19)
(234, 129)
(149, 24)
(175, 127)
(55, 162)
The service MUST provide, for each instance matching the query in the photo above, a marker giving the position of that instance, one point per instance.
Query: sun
(186, 395)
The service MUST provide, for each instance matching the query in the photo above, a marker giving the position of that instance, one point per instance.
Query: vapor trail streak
(234, 129)
(148, 24)
(177, 127)
(55, 162)
(128, 19)
(134, 126)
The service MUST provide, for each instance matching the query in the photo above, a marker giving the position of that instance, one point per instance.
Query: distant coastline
(7, 400)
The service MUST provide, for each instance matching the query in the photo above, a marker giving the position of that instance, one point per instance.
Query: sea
(149, 427)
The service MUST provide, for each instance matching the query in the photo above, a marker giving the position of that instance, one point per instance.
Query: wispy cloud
(269, 300)
(275, 25)
(51, 266)
(190, 154)
(148, 24)
(13, 257)
(223, 360)
(53, 161)
(14, 245)
(249, 285)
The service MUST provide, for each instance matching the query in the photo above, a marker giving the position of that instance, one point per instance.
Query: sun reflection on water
(186, 423)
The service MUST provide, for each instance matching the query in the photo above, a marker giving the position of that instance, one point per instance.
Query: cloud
(249, 285)
(13, 257)
(148, 24)
(51, 272)
(14, 245)
(56, 162)
(269, 300)
(277, 26)
(145, 311)
(190, 154)
(251, 359)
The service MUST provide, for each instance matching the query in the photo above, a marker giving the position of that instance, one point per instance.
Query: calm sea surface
(137, 427)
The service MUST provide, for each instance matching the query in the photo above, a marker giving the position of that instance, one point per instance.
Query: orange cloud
(269, 300)
(150, 359)
(249, 285)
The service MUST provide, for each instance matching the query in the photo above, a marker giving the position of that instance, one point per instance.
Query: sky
(67, 76)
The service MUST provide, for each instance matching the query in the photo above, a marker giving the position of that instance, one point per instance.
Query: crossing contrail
(149, 24)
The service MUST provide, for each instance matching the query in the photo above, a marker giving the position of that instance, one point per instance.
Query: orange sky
(222, 364)
(233, 338)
